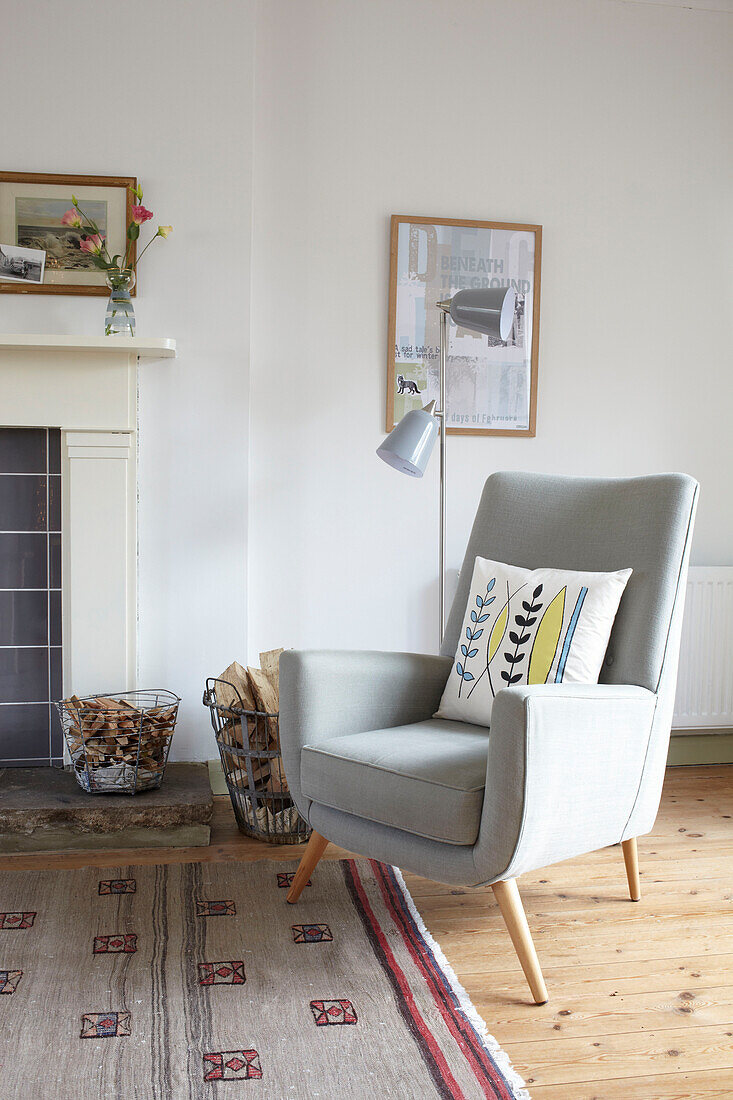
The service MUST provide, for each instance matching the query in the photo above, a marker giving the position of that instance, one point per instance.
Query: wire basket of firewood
(119, 743)
(249, 747)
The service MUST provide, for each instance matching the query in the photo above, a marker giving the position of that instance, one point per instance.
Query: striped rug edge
(498, 1055)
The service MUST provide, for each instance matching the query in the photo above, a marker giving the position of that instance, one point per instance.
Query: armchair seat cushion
(426, 778)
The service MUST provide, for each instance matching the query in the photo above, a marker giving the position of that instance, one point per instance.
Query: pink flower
(92, 244)
(71, 217)
(140, 215)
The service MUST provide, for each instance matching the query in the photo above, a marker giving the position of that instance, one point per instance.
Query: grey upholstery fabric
(563, 772)
(645, 809)
(452, 863)
(327, 693)
(601, 524)
(427, 778)
(570, 768)
(562, 776)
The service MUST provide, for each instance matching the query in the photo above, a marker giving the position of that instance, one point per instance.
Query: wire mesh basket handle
(210, 700)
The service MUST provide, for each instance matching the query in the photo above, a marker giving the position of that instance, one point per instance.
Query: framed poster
(491, 385)
(32, 206)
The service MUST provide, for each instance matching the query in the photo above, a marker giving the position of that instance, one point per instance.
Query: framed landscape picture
(491, 385)
(31, 208)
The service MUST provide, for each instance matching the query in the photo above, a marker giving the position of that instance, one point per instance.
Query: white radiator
(705, 683)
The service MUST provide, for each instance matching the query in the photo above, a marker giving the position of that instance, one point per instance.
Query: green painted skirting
(216, 778)
(701, 748)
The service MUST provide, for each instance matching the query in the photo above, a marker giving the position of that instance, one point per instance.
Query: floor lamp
(409, 445)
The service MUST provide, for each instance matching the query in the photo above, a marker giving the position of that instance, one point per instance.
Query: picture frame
(491, 385)
(31, 206)
(26, 264)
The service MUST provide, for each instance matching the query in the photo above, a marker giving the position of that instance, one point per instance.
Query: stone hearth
(44, 809)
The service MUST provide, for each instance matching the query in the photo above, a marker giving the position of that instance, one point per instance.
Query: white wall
(161, 90)
(605, 122)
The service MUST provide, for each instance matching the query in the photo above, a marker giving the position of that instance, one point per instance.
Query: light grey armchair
(565, 769)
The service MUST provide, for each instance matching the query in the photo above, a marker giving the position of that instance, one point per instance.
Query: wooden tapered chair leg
(631, 859)
(315, 849)
(512, 910)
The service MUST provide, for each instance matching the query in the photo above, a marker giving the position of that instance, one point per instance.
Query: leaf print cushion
(522, 626)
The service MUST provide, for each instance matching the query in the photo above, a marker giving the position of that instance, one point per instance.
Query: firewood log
(237, 677)
(263, 691)
(278, 784)
(105, 703)
(270, 665)
(267, 702)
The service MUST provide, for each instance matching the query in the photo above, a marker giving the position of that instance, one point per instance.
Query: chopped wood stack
(257, 692)
(106, 731)
(245, 707)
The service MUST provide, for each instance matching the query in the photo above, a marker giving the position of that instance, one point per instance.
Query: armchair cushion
(521, 626)
(426, 778)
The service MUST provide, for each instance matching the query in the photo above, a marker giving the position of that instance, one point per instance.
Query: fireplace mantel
(141, 346)
(87, 387)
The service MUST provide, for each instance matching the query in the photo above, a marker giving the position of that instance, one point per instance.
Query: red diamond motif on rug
(215, 909)
(232, 1065)
(117, 886)
(285, 878)
(105, 1025)
(333, 1012)
(9, 980)
(17, 920)
(115, 944)
(229, 972)
(311, 933)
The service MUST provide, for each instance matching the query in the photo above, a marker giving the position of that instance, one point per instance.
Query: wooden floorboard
(712, 1084)
(641, 995)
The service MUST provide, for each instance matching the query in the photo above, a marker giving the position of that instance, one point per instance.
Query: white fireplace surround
(88, 387)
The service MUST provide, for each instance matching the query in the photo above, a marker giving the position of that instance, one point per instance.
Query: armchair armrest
(563, 775)
(324, 693)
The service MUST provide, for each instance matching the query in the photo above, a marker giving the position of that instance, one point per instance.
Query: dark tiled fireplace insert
(30, 596)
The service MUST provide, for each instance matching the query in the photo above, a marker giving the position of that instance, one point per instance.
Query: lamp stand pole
(407, 447)
(444, 307)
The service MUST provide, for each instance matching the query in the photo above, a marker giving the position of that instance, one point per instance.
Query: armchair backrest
(599, 524)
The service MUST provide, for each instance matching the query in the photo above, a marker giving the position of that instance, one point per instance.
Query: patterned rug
(192, 981)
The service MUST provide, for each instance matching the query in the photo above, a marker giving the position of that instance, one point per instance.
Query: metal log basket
(119, 742)
(249, 747)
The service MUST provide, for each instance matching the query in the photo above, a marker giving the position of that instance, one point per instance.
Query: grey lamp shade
(410, 443)
(490, 311)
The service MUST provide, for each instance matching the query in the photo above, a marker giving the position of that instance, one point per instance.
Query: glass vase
(119, 319)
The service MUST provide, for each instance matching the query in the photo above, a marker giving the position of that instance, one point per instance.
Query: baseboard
(687, 747)
(216, 777)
